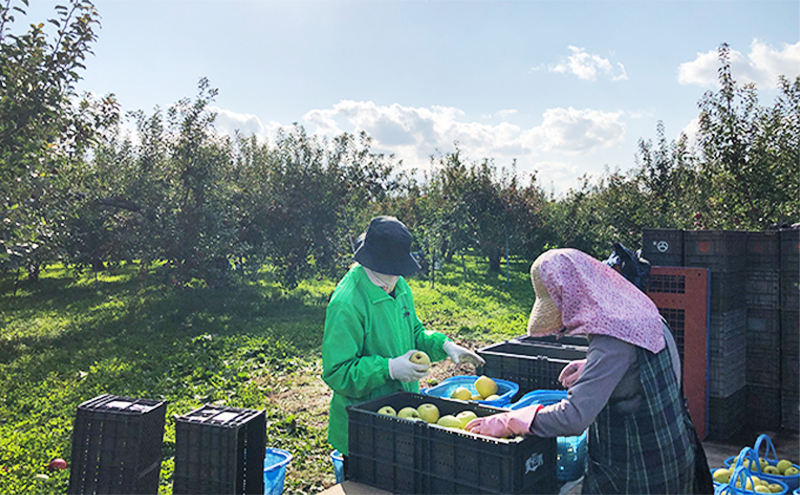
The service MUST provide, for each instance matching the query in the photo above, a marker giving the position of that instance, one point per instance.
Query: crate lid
(120, 405)
(220, 416)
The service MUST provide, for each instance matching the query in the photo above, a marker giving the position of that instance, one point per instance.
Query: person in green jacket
(372, 329)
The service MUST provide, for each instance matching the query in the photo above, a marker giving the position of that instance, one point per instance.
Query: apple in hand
(428, 412)
(449, 421)
(465, 417)
(420, 357)
(408, 413)
(387, 410)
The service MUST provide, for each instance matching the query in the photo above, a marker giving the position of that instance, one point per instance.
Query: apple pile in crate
(429, 413)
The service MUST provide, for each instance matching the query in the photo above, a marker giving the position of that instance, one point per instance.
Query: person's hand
(571, 373)
(461, 354)
(517, 422)
(401, 368)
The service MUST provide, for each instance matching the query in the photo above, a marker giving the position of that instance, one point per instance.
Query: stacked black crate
(724, 254)
(790, 329)
(763, 331)
(117, 446)
(663, 247)
(220, 450)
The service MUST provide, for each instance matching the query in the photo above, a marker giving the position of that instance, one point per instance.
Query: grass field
(69, 338)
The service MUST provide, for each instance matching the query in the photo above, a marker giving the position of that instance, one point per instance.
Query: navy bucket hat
(387, 248)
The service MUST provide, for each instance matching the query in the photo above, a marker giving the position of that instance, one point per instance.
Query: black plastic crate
(116, 445)
(663, 247)
(553, 341)
(532, 367)
(790, 371)
(720, 251)
(403, 456)
(790, 249)
(726, 416)
(790, 290)
(764, 407)
(727, 291)
(220, 450)
(762, 289)
(790, 331)
(763, 251)
(790, 411)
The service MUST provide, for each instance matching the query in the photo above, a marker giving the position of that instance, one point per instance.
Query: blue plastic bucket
(275, 462)
(338, 465)
(505, 389)
(572, 452)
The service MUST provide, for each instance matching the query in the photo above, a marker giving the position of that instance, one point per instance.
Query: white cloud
(414, 134)
(762, 66)
(228, 122)
(577, 132)
(692, 131)
(587, 66)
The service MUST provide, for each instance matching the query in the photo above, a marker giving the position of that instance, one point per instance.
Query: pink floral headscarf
(594, 299)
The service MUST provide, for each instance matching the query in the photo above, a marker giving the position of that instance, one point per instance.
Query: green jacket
(364, 327)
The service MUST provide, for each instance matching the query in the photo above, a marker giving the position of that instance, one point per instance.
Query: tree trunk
(494, 260)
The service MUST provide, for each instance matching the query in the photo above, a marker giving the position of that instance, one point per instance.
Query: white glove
(401, 368)
(462, 355)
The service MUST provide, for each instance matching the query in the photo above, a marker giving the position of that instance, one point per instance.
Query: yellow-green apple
(771, 470)
(449, 421)
(408, 413)
(419, 357)
(783, 464)
(428, 412)
(722, 475)
(465, 417)
(762, 489)
(387, 410)
(462, 393)
(791, 471)
(485, 386)
(775, 488)
(493, 397)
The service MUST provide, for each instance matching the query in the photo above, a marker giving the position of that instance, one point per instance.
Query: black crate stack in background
(220, 450)
(724, 254)
(753, 327)
(762, 294)
(790, 329)
(116, 446)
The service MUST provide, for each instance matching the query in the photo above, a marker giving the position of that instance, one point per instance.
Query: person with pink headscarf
(627, 392)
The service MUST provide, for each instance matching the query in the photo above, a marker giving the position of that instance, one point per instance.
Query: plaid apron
(649, 451)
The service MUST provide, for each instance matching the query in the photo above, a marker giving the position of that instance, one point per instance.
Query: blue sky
(564, 87)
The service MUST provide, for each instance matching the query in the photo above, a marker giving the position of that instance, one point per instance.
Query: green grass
(69, 338)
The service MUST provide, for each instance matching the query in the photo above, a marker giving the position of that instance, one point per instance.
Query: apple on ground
(57, 464)
(485, 386)
(465, 417)
(449, 421)
(387, 410)
(428, 412)
(408, 413)
(419, 357)
(462, 393)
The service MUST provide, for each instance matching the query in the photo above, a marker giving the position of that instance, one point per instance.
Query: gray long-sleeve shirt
(611, 375)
